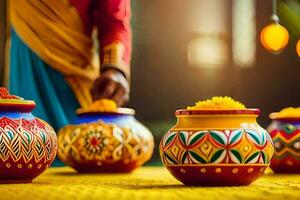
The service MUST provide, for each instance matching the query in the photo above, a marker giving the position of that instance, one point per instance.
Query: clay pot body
(28, 145)
(286, 137)
(105, 142)
(216, 147)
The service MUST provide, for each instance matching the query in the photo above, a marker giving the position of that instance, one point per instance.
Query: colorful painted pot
(105, 142)
(28, 145)
(216, 147)
(285, 133)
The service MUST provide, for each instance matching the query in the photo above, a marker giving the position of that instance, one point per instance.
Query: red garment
(112, 17)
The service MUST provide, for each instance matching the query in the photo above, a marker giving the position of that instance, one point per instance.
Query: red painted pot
(285, 133)
(216, 147)
(28, 145)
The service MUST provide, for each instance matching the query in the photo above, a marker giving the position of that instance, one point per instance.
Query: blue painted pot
(105, 142)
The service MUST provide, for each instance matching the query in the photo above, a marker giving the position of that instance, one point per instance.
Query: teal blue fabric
(33, 79)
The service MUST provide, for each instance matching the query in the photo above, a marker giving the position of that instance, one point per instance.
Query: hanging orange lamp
(298, 47)
(274, 37)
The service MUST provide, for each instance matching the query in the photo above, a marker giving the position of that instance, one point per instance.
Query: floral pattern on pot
(107, 145)
(239, 146)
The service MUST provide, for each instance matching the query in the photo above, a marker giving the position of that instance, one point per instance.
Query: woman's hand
(111, 85)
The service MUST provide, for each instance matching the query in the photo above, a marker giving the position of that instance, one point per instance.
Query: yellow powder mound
(286, 113)
(101, 105)
(217, 103)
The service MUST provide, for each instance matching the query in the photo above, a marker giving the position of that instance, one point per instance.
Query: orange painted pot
(285, 133)
(216, 147)
(28, 145)
(105, 142)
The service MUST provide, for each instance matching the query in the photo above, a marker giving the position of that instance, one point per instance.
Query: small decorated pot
(285, 132)
(28, 145)
(216, 147)
(100, 141)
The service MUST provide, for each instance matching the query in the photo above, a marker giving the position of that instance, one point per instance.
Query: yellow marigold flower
(289, 112)
(101, 105)
(217, 103)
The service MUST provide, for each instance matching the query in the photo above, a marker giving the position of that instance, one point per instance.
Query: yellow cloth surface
(144, 183)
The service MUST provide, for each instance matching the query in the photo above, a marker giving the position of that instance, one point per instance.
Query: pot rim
(13, 103)
(248, 111)
(120, 111)
(16, 105)
(273, 116)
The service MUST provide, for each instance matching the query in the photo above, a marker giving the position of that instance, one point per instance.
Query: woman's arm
(115, 34)
(113, 22)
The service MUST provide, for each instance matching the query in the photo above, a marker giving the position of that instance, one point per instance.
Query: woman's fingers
(108, 90)
(111, 85)
(119, 95)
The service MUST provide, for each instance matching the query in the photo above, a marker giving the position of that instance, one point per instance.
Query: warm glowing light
(207, 52)
(274, 37)
(243, 33)
(298, 47)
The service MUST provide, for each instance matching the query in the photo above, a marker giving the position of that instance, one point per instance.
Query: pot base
(15, 181)
(218, 174)
(285, 170)
(286, 165)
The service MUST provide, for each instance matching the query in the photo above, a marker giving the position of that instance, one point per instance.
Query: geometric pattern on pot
(240, 146)
(26, 139)
(286, 146)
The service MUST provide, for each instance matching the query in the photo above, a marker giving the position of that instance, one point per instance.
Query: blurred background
(189, 50)
(185, 52)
